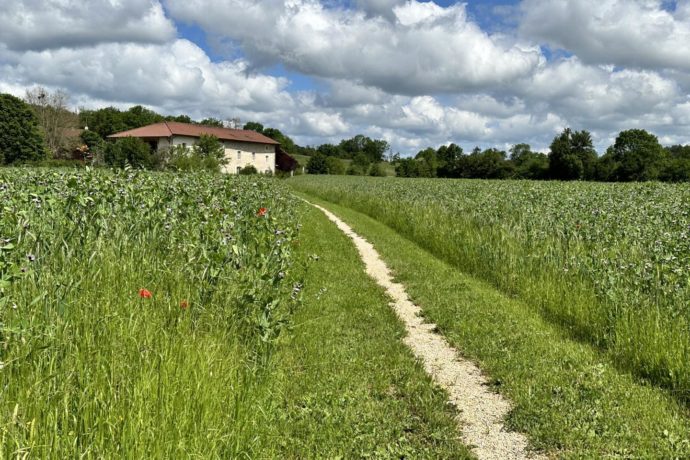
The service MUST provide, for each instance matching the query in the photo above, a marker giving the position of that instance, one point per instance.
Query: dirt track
(481, 412)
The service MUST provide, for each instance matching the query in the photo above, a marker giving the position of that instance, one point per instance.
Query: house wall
(238, 154)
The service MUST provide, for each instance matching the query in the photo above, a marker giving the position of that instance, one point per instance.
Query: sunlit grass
(607, 262)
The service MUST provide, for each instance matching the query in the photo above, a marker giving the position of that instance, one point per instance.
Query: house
(242, 147)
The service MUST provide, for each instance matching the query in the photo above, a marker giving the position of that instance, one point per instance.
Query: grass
(569, 398)
(606, 262)
(221, 360)
(348, 386)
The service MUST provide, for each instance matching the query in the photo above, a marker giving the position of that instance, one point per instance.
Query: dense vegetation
(153, 315)
(636, 155)
(608, 262)
(566, 395)
(138, 310)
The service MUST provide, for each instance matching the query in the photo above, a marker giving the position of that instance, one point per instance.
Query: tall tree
(636, 155)
(20, 136)
(572, 156)
(57, 122)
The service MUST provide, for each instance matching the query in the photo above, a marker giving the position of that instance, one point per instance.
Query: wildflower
(262, 212)
(145, 293)
(31, 257)
(184, 304)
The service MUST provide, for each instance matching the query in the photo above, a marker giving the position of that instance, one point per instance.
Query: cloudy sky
(488, 73)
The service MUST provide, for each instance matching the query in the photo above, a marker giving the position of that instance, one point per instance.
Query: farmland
(608, 263)
(154, 315)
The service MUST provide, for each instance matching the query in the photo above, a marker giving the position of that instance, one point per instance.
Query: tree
(448, 156)
(360, 165)
(209, 146)
(428, 162)
(677, 167)
(572, 156)
(254, 126)
(211, 122)
(317, 165)
(20, 135)
(128, 151)
(636, 155)
(488, 164)
(335, 166)
(55, 119)
(529, 164)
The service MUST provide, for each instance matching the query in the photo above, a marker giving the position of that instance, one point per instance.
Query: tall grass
(609, 262)
(91, 365)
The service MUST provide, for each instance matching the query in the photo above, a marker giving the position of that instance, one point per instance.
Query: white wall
(238, 154)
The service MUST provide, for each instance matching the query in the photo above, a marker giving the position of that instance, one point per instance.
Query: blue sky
(416, 73)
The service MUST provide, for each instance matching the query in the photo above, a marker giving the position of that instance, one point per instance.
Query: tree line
(636, 155)
(42, 127)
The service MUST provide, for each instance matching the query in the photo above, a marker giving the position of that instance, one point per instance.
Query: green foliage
(20, 137)
(88, 364)
(572, 156)
(377, 170)
(212, 122)
(248, 170)
(529, 164)
(91, 139)
(635, 156)
(335, 166)
(317, 165)
(566, 397)
(130, 151)
(209, 146)
(607, 262)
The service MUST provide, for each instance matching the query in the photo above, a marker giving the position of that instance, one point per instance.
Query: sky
(415, 73)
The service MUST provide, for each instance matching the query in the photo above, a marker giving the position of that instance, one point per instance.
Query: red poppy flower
(184, 304)
(145, 294)
(262, 212)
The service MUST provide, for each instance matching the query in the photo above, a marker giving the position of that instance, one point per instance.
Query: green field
(160, 315)
(610, 263)
(150, 315)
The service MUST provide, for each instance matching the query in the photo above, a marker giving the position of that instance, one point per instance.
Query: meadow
(160, 315)
(138, 310)
(608, 263)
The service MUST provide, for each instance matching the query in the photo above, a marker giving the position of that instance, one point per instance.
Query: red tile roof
(173, 128)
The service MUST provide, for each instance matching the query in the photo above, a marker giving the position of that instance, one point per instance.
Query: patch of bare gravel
(481, 412)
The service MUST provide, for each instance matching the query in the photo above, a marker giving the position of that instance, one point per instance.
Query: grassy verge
(348, 386)
(568, 397)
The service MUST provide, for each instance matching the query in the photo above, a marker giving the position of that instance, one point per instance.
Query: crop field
(609, 263)
(138, 310)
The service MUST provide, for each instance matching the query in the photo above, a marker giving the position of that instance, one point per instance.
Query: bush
(377, 170)
(335, 166)
(317, 164)
(248, 170)
(128, 151)
(20, 137)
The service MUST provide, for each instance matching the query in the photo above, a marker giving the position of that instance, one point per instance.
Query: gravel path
(481, 412)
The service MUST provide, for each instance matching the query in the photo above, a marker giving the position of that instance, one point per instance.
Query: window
(253, 156)
(239, 168)
(239, 155)
(184, 145)
(267, 158)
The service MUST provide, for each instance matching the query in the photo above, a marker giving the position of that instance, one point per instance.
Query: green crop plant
(610, 263)
(138, 304)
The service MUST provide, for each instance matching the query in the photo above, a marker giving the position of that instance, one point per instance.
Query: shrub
(128, 151)
(248, 170)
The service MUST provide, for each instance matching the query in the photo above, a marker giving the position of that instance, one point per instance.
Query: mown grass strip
(568, 397)
(348, 386)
